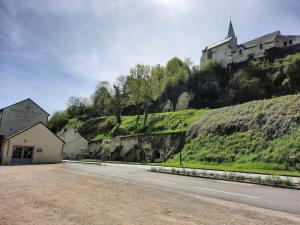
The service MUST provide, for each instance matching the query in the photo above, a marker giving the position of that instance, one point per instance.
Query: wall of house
(220, 53)
(280, 41)
(256, 51)
(38, 137)
(74, 144)
(20, 116)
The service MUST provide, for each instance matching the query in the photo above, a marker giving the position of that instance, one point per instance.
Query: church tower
(231, 34)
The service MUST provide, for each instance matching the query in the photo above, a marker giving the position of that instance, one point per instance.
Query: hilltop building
(24, 137)
(228, 51)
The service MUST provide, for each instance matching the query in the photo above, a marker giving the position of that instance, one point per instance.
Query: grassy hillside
(272, 117)
(256, 135)
(104, 127)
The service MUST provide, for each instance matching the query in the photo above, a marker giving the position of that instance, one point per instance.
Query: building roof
(24, 101)
(230, 31)
(27, 128)
(218, 43)
(261, 40)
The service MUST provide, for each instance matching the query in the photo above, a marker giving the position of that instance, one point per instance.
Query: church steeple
(231, 31)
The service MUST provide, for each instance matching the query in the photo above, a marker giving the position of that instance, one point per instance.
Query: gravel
(49, 194)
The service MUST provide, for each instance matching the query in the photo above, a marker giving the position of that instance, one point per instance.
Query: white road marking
(236, 183)
(161, 181)
(226, 192)
(124, 174)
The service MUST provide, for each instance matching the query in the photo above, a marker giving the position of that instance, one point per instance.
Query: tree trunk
(138, 116)
(145, 114)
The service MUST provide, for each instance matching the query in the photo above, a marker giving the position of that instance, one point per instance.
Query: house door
(22, 155)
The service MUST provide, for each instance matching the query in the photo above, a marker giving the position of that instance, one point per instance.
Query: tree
(102, 98)
(135, 84)
(177, 73)
(76, 106)
(244, 88)
(119, 99)
(153, 87)
(57, 121)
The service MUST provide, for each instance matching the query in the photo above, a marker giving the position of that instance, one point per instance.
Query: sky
(51, 50)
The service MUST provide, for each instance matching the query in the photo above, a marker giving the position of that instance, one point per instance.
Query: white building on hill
(228, 51)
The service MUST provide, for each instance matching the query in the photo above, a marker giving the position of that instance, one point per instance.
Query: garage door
(22, 155)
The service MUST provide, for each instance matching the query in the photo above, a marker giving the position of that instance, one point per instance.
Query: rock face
(139, 148)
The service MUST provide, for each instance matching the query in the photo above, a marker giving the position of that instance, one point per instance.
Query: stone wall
(151, 147)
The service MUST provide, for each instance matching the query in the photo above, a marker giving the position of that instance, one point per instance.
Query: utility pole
(180, 144)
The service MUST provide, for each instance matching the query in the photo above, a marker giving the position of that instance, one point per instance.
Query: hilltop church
(228, 51)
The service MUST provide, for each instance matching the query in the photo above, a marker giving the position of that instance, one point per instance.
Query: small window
(240, 51)
(251, 56)
(209, 54)
(285, 43)
(290, 42)
(261, 46)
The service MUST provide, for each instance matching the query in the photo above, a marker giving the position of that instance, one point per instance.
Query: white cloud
(87, 67)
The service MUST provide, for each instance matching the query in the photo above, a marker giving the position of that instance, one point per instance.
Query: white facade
(228, 51)
(38, 143)
(75, 144)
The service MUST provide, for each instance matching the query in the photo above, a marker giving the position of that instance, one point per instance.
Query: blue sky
(53, 49)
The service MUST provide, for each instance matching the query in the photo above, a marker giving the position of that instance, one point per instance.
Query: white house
(228, 51)
(24, 137)
(75, 144)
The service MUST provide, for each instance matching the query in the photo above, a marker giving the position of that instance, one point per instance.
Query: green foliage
(104, 127)
(272, 117)
(102, 98)
(177, 74)
(57, 121)
(160, 122)
(244, 148)
(208, 84)
(74, 123)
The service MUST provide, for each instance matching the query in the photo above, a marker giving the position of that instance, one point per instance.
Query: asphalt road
(286, 200)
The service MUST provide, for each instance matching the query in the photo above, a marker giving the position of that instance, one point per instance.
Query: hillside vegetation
(104, 127)
(260, 134)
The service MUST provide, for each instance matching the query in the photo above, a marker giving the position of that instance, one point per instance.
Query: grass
(248, 168)
(273, 118)
(247, 151)
(158, 123)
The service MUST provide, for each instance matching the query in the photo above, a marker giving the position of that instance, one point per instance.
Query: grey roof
(218, 43)
(28, 99)
(261, 40)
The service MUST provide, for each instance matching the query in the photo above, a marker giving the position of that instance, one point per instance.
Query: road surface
(280, 199)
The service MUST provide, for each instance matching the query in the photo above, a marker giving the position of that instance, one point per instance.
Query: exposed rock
(150, 147)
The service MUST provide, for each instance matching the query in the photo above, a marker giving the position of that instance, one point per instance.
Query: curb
(91, 163)
(230, 171)
(226, 179)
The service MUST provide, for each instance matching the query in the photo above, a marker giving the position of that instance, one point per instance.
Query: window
(209, 54)
(17, 153)
(251, 56)
(285, 43)
(240, 51)
(261, 46)
(290, 42)
(27, 153)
